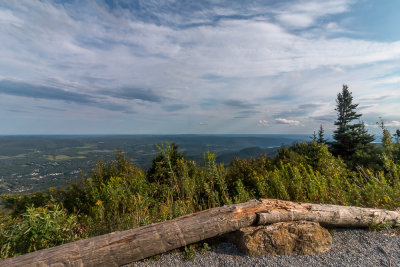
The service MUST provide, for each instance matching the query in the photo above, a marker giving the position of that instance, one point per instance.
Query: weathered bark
(120, 248)
(327, 215)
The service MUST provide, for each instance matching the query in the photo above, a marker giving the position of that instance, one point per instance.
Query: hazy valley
(33, 163)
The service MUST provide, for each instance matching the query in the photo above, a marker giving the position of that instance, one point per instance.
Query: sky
(195, 67)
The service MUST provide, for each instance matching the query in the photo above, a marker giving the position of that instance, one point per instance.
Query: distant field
(63, 157)
(95, 151)
(32, 163)
(12, 157)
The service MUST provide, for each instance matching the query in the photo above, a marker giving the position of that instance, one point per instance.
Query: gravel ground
(350, 248)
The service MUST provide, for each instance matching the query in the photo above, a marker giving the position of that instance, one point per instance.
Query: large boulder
(283, 238)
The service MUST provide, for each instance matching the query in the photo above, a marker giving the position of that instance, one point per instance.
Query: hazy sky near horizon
(206, 66)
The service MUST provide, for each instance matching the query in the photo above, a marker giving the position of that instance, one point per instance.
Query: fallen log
(124, 247)
(326, 215)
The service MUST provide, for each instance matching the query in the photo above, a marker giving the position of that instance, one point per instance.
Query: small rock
(284, 238)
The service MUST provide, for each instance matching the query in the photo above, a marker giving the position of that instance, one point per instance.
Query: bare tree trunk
(120, 248)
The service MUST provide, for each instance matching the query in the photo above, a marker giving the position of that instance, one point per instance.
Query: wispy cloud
(390, 80)
(262, 123)
(326, 118)
(7, 17)
(299, 111)
(42, 92)
(134, 93)
(51, 108)
(296, 20)
(238, 104)
(34, 91)
(286, 121)
(393, 124)
(17, 111)
(175, 107)
(226, 59)
(303, 14)
(246, 114)
(374, 97)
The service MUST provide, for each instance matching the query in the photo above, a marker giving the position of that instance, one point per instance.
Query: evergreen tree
(314, 137)
(387, 142)
(164, 165)
(397, 136)
(348, 137)
(321, 139)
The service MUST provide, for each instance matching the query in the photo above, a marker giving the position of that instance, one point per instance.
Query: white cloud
(320, 8)
(7, 17)
(286, 121)
(371, 125)
(391, 80)
(333, 27)
(296, 20)
(375, 97)
(262, 123)
(88, 48)
(303, 14)
(337, 69)
(232, 48)
(393, 124)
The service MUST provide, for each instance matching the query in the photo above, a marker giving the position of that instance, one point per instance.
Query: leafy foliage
(38, 228)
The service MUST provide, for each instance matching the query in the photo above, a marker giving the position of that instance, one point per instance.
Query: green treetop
(321, 138)
(397, 136)
(348, 137)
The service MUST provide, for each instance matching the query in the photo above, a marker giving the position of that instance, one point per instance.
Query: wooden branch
(124, 247)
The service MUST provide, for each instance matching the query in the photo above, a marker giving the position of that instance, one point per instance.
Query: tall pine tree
(321, 138)
(397, 136)
(348, 137)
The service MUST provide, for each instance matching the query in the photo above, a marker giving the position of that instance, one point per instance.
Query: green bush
(38, 228)
(19, 203)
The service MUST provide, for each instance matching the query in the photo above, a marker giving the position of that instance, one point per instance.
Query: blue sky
(169, 67)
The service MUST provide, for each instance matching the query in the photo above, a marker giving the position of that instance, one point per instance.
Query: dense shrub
(38, 228)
